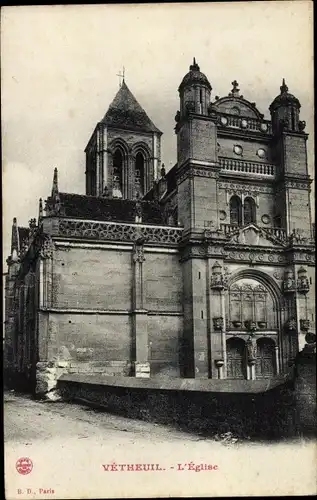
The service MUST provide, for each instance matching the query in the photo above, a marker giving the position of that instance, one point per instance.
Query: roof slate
(104, 209)
(126, 113)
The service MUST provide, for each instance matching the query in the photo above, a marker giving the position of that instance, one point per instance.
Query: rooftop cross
(121, 75)
(235, 89)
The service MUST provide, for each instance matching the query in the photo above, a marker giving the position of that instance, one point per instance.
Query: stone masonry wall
(89, 326)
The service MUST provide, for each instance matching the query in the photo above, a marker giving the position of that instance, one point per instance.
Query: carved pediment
(252, 235)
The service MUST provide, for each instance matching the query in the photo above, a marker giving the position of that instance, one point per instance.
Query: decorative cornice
(119, 232)
(189, 171)
(297, 184)
(245, 188)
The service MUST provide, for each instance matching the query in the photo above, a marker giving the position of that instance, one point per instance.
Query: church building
(204, 271)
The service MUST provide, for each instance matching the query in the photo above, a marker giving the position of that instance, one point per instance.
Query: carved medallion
(222, 215)
(266, 219)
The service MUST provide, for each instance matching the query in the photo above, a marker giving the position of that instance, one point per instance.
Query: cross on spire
(121, 75)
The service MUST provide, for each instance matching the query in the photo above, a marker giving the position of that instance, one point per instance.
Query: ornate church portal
(252, 334)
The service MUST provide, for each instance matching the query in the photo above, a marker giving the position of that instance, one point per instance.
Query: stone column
(46, 374)
(139, 315)
(218, 318)
(277, 361)
(104, 146)
(110, 172)
(130, 178)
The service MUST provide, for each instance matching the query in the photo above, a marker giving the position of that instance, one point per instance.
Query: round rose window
(237, 149)
(261, 153)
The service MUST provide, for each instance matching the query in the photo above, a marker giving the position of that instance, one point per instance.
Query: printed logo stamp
(24, 465)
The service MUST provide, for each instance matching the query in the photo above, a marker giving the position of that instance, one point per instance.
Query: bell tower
(290, 150)
(197, 174)
(196, 151)
(123, 154)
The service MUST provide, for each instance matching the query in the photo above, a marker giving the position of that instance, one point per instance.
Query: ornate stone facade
(201, 271)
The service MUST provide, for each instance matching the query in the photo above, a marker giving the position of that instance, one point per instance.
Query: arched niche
(249, 301)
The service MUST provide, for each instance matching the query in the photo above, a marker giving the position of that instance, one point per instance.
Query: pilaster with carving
(140, 347)
(46, 271)
(217, 280)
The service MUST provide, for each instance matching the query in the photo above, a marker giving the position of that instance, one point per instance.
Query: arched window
(250, 302)
(139, 173)
(236, 366)
(235, 211)
(117, 174)
(249, 211)
(265, 358)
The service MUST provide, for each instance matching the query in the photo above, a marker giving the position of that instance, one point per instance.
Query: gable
(252, 235)
(237, 106)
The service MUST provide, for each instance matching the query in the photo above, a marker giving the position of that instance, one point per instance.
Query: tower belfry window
(249, 211)
(117, 174)
(235, 211)
(139, 173)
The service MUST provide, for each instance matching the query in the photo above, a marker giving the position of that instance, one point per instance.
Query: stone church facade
(205, 271)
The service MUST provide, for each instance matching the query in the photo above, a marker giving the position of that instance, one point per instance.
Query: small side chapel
(204, 271)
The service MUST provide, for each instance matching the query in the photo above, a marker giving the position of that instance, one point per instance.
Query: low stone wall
(246, 415)
(280, 408)
(305, 392)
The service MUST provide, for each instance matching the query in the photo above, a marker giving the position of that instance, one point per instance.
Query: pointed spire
(15, 245)
(126, 113)
(40, 209)
(55, 182)
(284, 87)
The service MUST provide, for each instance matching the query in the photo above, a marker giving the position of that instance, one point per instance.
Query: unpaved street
(78, 452)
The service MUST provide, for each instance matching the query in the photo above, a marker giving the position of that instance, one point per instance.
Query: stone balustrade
(247, 167)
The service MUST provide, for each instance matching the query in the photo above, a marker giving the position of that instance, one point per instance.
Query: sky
(59, 75)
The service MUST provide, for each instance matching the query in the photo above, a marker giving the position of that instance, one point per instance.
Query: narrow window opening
(293, 119)
(310, 281)
(235, 211)
(249, 211)
(202, 314)
(117, 174)
(139, 174)
(199, 275)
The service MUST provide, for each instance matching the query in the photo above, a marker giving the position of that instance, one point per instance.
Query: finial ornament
(55, 182)
(40, 208)
(283, 87)
(235, 88)
(194, 66)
